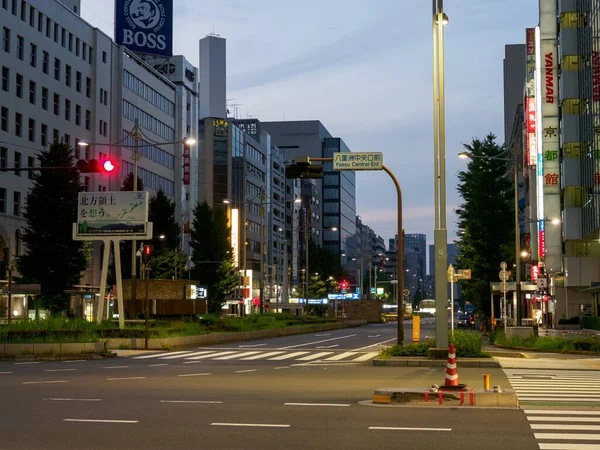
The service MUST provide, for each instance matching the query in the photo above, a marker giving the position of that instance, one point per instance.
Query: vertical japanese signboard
(551, 250)
(530, 104)
(186, 165)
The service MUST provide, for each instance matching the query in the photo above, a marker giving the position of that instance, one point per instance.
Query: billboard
(145, 26)
(118, 213)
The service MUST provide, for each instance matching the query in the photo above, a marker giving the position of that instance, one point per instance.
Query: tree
(127, 184)
(52, 258)
(161, 212)
(167, 264)
(212, 255)
(485, 220)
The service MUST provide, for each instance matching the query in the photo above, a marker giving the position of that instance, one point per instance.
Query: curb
(84, 356)
(424, 362)
(471, 398)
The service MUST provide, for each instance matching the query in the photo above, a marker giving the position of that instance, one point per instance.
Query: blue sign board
(145, 26)
(343, 296)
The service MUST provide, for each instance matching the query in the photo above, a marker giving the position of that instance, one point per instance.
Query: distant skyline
(365, 71)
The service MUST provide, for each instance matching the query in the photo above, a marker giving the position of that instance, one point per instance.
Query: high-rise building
(415, 263)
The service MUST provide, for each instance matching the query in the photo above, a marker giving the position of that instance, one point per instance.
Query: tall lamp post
(137, 135)
(440, 234)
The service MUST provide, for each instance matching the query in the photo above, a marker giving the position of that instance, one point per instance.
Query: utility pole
(136, 157)
(306, 238)
(262, 250)
(9, 312)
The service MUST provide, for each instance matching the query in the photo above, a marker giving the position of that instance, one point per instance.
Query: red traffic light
(147, 250)
(343, 285)
(108, 166)
(93, 166)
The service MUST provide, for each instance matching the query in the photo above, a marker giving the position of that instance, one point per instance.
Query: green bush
(591, 323)
(572, 321)
(414, 349)
(465, 343)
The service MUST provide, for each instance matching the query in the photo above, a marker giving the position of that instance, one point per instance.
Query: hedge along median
(134, 343)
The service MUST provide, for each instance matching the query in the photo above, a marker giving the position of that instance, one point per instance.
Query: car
(464, 321)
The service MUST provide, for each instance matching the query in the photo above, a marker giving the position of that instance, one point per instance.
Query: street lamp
(440, 234)
(136, 134)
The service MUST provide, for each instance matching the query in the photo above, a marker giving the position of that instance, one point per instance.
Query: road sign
(504, 287)
(372, 290)
(406, 292)
(450, 274)
(542, 282)
(503, 275)
(464, 274)
(357, 161)
(503, 265)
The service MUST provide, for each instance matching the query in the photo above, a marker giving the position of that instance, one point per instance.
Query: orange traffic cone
(451, 381)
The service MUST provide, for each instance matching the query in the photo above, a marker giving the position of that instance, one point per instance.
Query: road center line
(410, 429)
(100, 420)
(194, 374)
(44, 382)
(5, 373)
(258, 425)
(316, 404)
(279, 368)
(247, 370)
(318, 342)
(73, 399)
(125, 378)
(373, 345)
(157, 365)
(374, 336)
(59, 370)
(74, 360)
(190, 401)
(115, 367)
(28, 362)
(328, 346)
(253, 345)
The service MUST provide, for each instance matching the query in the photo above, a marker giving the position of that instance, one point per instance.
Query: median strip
(100, 420)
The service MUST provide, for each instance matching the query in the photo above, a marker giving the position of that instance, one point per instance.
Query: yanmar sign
(549, 74)
(145, 26)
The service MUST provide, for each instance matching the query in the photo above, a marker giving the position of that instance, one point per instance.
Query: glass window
(2, 200)
(44, 134)
(3, 157)
(67, 109)
(20, 47)
(88, 119)
(17, 204)
(45, 62)
(77, 114)
(68, 75)
(78, 81)
(5, 78)
(18, 124)
(45, 98)
(17, 164)
(32, 92)
(88, 87)
(56, 104)
(31, 16)
(57, 69)
(40, 22)
(6, 39)
(33, 55)
(4, 118)
(23, 11)
(30, 163)
(19, 85)
(31, 130)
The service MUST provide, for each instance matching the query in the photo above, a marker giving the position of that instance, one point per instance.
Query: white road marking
(316, 404)
(262, 355)
(373, 345)
(115, 367)
(157, 355)
(44, 382)
(5, 373)
(322, 334)
(328, 346)
(557, 399)
(194, 374)
(247, 370)
(563, 419)
(366, 357)
(569, 446)
(288, 356)
(125, 378)
(209, 355)
(568, 436)
(185, 355)
(555, 426)
(375, 335)
(279, 368)
(252, 345)
(410, 429)
(258, 425)
(73, 399)
(567, 412)
(30, 362)
(235, 355)
(340, 356)
(192, 362)
(318, 342)
(59, 370)
(100, 420)
(314, 356)
(190, 401)
(157, 365)
(75, 360)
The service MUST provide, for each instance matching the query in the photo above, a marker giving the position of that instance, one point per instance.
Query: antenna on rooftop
(213, 34)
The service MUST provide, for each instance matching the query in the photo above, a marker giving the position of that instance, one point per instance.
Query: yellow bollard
(486, 381)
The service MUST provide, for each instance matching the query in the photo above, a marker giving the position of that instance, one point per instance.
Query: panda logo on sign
(144, 13)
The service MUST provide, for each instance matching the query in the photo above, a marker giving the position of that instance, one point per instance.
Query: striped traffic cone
(451, 381)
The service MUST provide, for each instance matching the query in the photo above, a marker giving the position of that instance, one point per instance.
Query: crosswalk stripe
(212, 355)
(366, 357)
(560, 412)
(555, 426)
(563, 419)
(235, 355)
(262, 355)
(288, 356)
(568, 436)
(563, 399)
(314, 356)
(340, 356)
(157, 355)
(552, 394)
(561, 446)
(175, 356)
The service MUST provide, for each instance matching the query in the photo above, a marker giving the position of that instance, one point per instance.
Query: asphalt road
(114, 404)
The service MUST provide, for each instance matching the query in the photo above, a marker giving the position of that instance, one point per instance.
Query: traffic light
(303, 170)
(147, 253)
(343, 285)
(95, 166)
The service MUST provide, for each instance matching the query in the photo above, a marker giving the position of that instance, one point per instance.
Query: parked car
(464, 321)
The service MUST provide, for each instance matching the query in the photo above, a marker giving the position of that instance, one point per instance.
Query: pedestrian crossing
(305, 356)
(570, 424)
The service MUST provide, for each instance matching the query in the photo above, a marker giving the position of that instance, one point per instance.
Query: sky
(364, 69)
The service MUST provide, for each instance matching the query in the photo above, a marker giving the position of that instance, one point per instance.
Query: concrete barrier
(520, 332)
(438, 397)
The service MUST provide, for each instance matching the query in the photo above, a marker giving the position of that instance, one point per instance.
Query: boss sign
(145, 26)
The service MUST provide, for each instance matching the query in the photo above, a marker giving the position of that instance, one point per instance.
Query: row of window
(150, 179)
(16, 211)
(134, 84)
(254, 153)
(150, 151)
(52, 30)
(33, 62)
(17, 162)
(147, 121)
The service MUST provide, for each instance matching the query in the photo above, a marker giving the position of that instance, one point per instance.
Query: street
(244, 399)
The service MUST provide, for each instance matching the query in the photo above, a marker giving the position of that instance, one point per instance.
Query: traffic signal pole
(399, 252)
